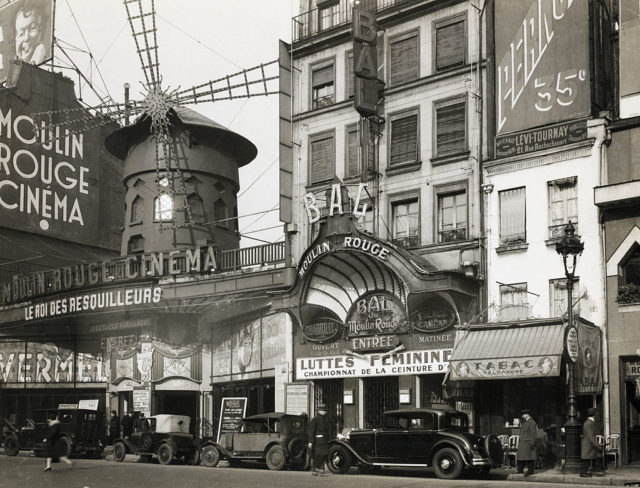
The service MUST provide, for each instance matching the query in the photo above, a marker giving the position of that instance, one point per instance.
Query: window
(322, 157)
(322, 84)
(450, 43)
(405, 219)
(135, 245)
(631, 267)
(197, 208)
(512, 216)
(163, 207)
(403, 138)
(353, 165)
(403, 58)
(558, 297)
(349, 71)
(514, 304)
(137, 209)
(451, 127)
(563, 205)
(452, 216)
(328, 14)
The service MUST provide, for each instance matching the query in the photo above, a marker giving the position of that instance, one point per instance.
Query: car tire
(193, 458)
(275, 458)
(368, 469)
(297, 450)
(63, 446)
(447, 464)
(11, 446)
(339, 459)
(210, 456)
(146, 442)
(165, 454)
(119, 451)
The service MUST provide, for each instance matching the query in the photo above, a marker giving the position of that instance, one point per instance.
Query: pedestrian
(542, 440)
(53, 434)
(591, 450)
(127, 425)
(527, 444)
(114, 427)
(319, 431)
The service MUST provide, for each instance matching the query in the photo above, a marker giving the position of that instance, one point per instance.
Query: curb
(576, 480)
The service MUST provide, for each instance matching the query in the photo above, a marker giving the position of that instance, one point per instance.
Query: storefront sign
(521, 367)
(632, 369)
(232, 412)
(297, 398)
(88, 404)
(572, 344)
(322, 330)
(374, 343)
(541, 138)
(400, 363)
(94, 301)
(434, 319)
(376, 313)
(335, 204)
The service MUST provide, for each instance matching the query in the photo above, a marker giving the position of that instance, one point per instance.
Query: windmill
(162, 112)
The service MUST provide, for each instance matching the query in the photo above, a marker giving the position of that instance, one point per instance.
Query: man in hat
(591, 450)
(319, 432)
(527, 444)
(127, 425)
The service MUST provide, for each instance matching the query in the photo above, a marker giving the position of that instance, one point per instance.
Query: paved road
(26, 472)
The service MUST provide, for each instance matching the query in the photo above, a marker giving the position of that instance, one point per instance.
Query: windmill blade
(260, 80)
(143, 28)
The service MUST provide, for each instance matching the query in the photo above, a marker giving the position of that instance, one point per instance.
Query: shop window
(197, 208)
(322, 84)
(137, 210)
(349, 70)
(512, 216)
(403, 138)
(135, 245)
(451, 127)
(452, 216)
(404, 62)
(328, 14)
(558, 297)
(514, 302)
(322, 157)
(163, 208)
(563, 205)
(450, 43)
(405, 222)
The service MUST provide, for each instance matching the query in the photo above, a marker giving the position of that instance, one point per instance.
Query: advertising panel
(542, 69)
(520, 367)
(589, 360)
(232, 412)
(25, 32)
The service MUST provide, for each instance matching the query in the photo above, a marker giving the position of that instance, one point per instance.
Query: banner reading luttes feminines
(542, 70)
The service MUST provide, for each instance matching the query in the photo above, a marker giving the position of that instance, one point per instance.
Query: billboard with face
(542, 62)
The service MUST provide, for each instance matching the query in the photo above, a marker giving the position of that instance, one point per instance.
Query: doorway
(380, 394)
(178, 403)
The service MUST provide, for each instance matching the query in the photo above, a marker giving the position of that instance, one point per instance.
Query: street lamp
(570, 247)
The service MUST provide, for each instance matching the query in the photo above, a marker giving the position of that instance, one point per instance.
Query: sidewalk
(625, 476)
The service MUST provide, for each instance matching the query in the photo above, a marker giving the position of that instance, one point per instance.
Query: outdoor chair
(504, 441)
(612, 448)
(512, 450)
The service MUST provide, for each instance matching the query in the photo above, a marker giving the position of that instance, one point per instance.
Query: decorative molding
(612, 263)
(501, 167)
(628, 307)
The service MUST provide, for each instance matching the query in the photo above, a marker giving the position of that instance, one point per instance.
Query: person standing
(527, 444)
(127, 425)
(590, 449)
(114, 427)
(319, 432)
(53, 434)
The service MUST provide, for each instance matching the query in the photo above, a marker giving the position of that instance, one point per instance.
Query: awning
(509, 352)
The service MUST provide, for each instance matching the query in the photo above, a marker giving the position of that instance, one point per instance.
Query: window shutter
(350, 75)
(404, 60)
(451, 127)
(404, 140)
(450, 44)
(512, 215)
(352, 153)
(322, 159)
(323, 76)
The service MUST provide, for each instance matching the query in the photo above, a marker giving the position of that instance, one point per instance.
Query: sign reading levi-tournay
(542, 70)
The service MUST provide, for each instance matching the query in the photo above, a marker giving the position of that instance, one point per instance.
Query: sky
(199, 40)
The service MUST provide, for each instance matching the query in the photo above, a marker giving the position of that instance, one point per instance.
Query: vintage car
(419, 437)
(165, 436)
(81, 432)
(276, 438)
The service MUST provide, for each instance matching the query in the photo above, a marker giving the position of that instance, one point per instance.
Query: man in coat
(319, 432)
(114, 426)
(527, 443)
(591, 450)
(127, 425)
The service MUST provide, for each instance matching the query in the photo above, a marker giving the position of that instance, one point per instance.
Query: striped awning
(510, 352)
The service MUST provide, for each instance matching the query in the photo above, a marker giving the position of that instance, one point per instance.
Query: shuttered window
(514, 302)
(404, 139)
(352, 167)
(451, 128)
(349, 71)
(563, 201)
(451, 43)
(512, 216)
(321, 157)
(322, 85)
(403, 59)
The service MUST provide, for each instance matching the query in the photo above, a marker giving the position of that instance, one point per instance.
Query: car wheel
(165, 454)
(275, 458)
(193, 458)
(11, 446)
(297, 450)
(119, 451)
(146, 442)
(368, 469)
(210, 456)
(339, 459)
(447, 463)
(63, 447)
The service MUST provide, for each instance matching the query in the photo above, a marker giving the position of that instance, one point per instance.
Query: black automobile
(165, 436)
(420, 437)
(23, 438)
(276, 438)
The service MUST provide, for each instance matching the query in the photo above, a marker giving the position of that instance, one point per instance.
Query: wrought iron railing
(251, 256)
(450, 235)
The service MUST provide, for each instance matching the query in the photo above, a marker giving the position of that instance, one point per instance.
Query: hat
(322, 406)
(113, 412)
(592, 411)
(526, 410)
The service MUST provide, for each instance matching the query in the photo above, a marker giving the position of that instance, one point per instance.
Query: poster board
(142, 401)
(232, 412)
(296, 398)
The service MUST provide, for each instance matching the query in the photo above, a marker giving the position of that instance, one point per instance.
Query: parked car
(276, 438)
(165, 436)
(420, 437)
(23, 438)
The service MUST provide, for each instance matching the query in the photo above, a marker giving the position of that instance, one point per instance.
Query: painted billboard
(542, 70)
(25, 32)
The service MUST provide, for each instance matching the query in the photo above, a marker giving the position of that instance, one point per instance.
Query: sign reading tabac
(542, 69)
(521, 367)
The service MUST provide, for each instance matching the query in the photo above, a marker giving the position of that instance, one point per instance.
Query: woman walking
(53, 434)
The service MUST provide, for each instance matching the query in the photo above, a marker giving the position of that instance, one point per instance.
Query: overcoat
(319, 432)
(590, 447)
(527, 442)
(53, 432)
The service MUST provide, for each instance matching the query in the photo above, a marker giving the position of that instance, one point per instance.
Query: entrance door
(380, 394)
(330, 392)
(179, 403)
(633, 422)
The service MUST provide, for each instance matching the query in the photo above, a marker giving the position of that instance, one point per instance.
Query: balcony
(451, 235)
(406, 242)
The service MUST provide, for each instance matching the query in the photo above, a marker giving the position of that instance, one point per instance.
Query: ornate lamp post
(570, 247)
